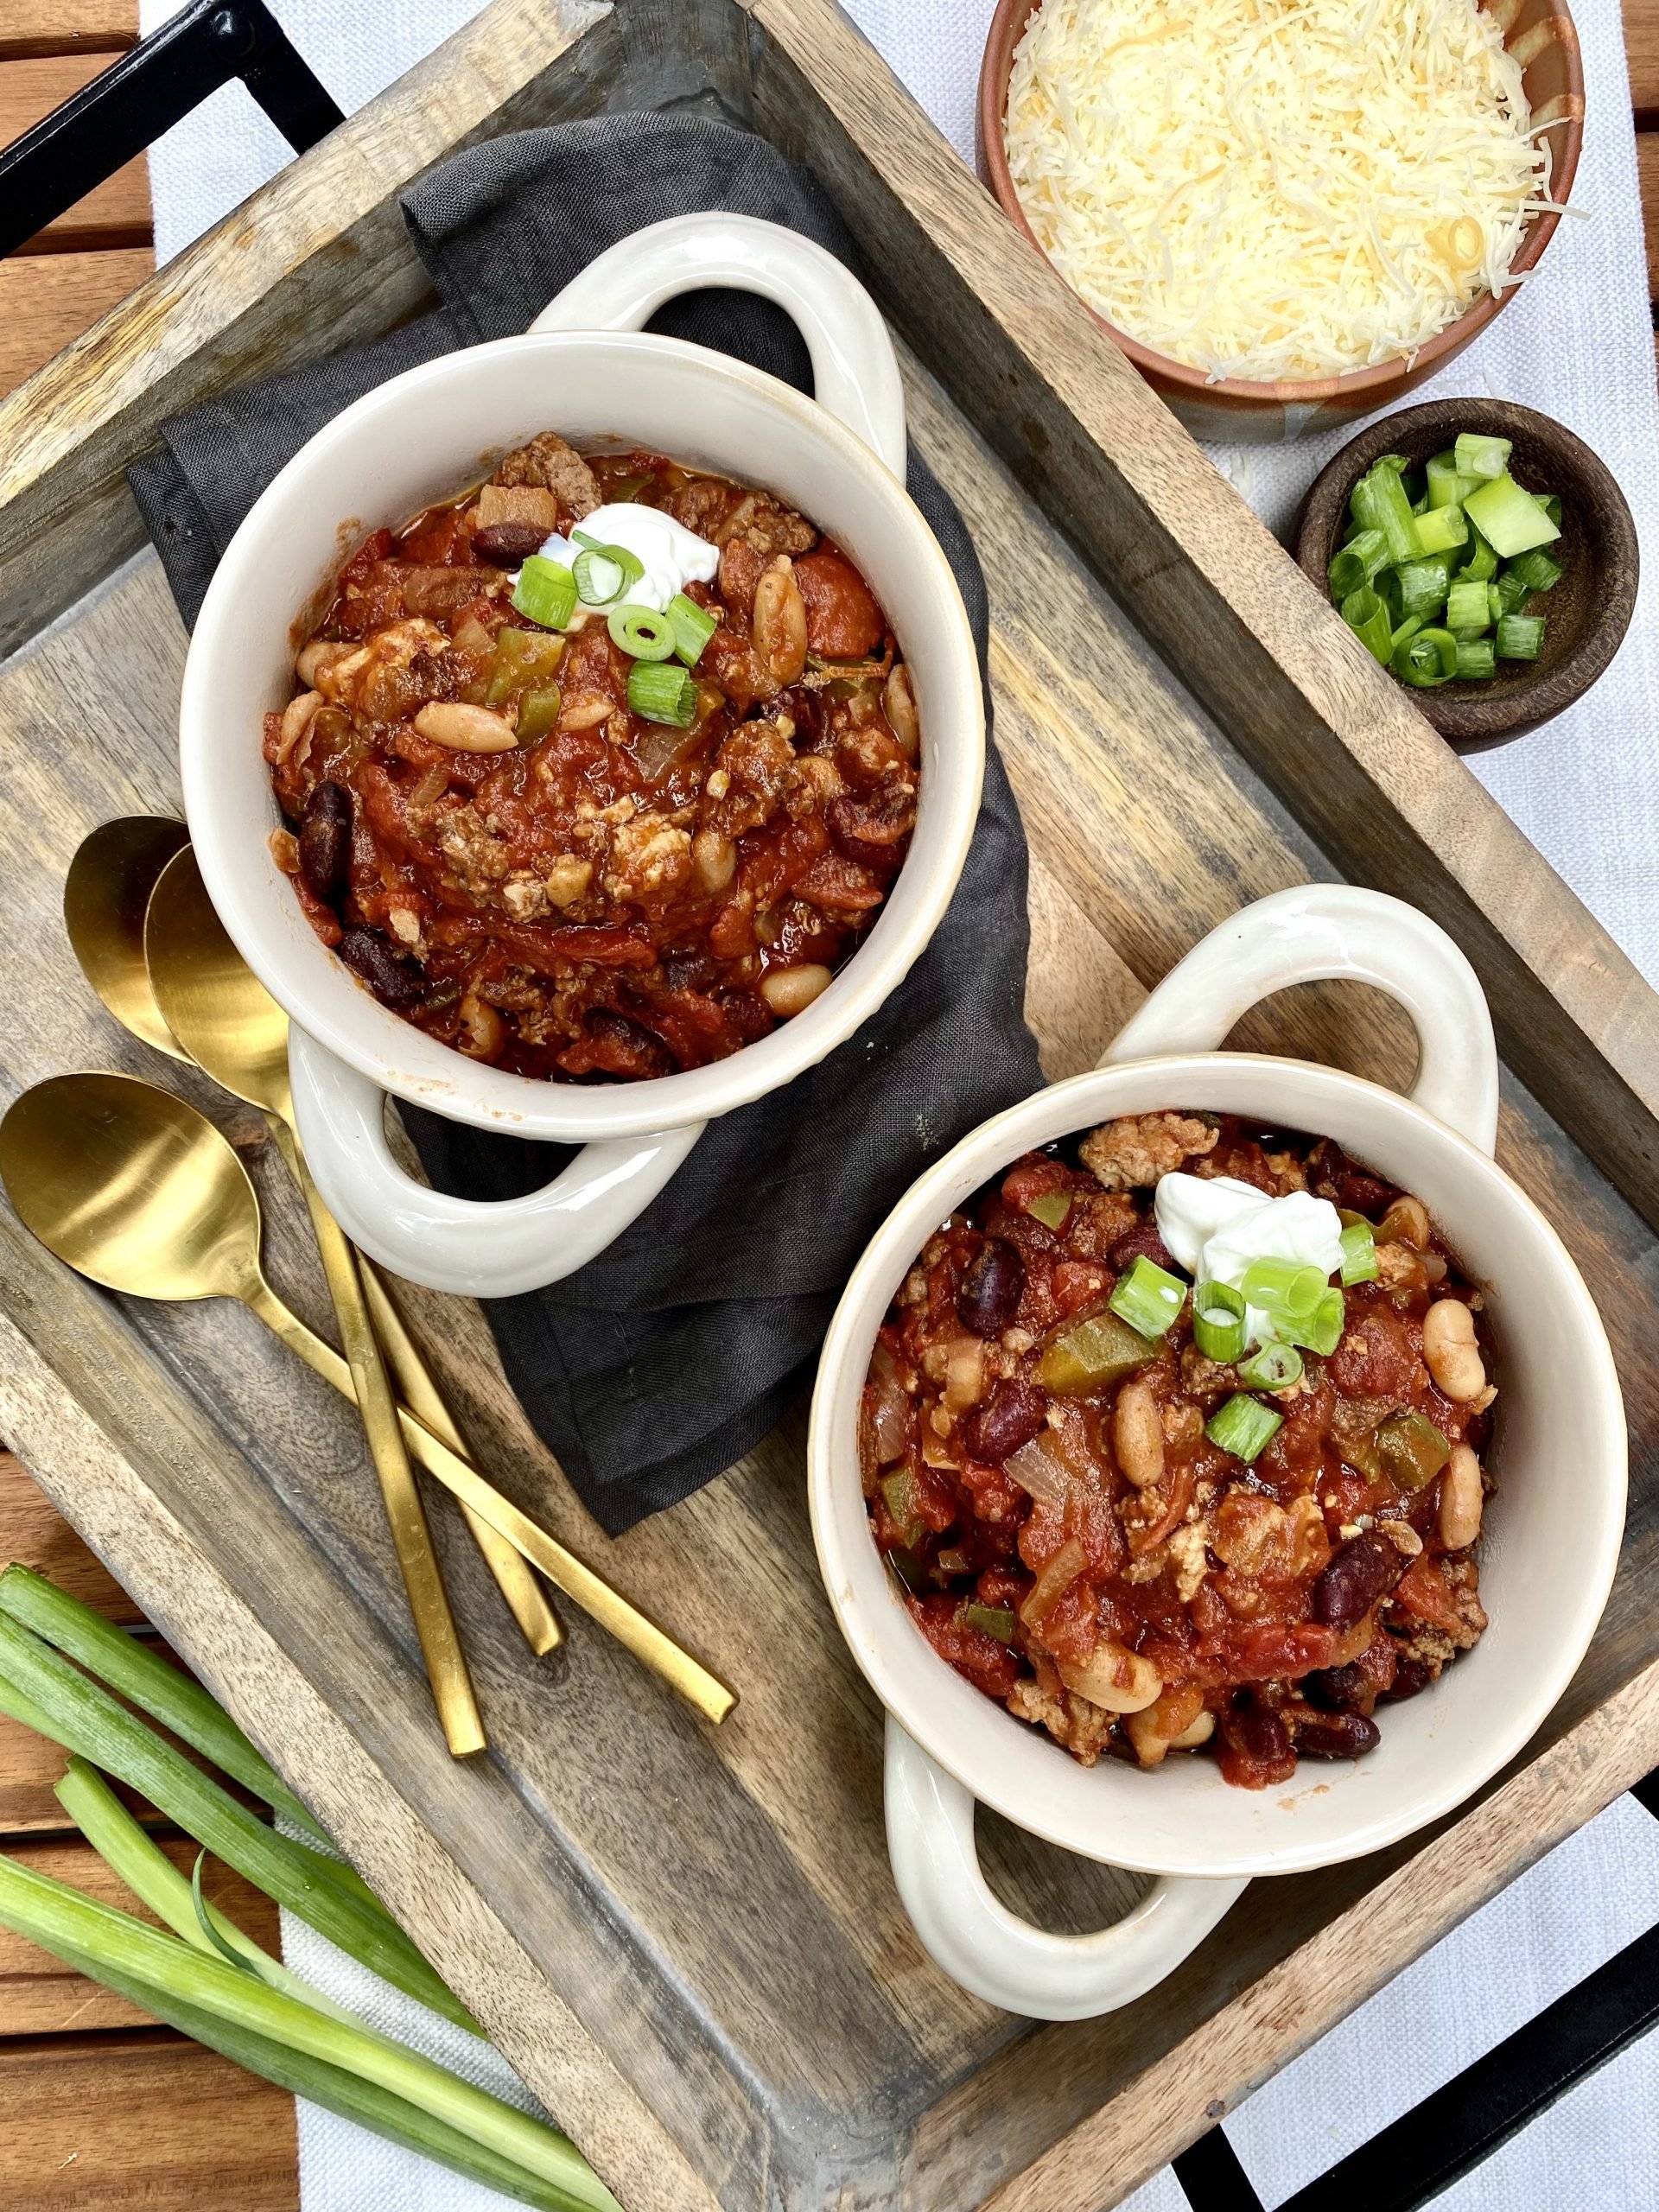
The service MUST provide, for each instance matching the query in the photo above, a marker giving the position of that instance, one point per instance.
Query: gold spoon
(131, 1186)
(105, 896)
(228, 1023)
(106, 899)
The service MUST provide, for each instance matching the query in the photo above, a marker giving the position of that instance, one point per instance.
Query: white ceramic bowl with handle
(1547, 1556)
(587, 369)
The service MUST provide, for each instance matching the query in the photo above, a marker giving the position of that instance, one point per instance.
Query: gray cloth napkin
(679, 1347)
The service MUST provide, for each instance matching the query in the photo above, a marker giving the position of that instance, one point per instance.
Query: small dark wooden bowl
(1588, 611)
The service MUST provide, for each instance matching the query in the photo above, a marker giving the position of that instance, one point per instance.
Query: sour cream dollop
(1218, 1228)
(671, 555)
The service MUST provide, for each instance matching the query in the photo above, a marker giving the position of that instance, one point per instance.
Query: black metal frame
(145, 91)
(1406, 2164)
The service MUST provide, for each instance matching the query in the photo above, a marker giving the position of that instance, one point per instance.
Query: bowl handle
(855, 374)
(994, 1953)
(475, 1249)
(1319, 930)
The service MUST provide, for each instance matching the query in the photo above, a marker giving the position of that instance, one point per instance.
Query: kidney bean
(1337, 1736)
(507, 544)
(393, 981)
(1142, 1244)
(325, 839)
(1365, 1570)
(1257, 1731)
(1409, 1677)
(992, 1288)
(1014, 1413)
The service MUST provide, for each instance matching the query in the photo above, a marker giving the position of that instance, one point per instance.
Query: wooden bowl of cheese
(1284, 230)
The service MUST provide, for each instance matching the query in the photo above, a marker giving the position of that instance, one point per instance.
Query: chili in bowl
(1294, 1600)
(598, 771)
(511, 903)
(1224, 1498)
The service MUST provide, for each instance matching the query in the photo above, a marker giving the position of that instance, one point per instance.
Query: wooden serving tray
(687, 1938)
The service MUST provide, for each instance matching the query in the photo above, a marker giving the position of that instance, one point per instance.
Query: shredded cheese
(1275, 189)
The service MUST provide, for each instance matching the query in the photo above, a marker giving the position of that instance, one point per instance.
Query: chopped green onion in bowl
(1439, 588)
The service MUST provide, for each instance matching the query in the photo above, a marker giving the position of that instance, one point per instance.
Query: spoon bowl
(208, 996)
(104, 897)
(133, 1187)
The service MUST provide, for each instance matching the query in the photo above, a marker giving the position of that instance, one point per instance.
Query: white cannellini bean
(1138, 1435)
(1450, 1352)
(791, 990)
(1462, 1498)
(463, 728)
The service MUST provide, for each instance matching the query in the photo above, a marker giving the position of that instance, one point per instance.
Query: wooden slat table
(100, 2111)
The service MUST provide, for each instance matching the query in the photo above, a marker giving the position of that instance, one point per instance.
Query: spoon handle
(429, 1601)
(417, 1389)
(563, 1568)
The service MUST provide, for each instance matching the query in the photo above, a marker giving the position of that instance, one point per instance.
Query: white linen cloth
(1578, 344)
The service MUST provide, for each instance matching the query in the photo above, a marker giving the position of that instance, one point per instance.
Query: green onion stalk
(75, 1711)
(227, 2006)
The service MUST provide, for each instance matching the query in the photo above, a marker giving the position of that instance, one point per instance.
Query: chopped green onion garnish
(1050, 1208)
(604, 573)
(1407, 629)
(1511, 594)
(1551, 505)
(693, 627)
(1218, 1321)
(1367, 616)
(1243, 1427)
(1520, 637)
(1510, 519)
(1536, 570)
(1358, 1253)
(1466, 607)
(1362, 505)
(990, 1620)
(660, 692)
(1392, 510)
(1495, 610)
(642, 632)
(1322, 1332)
(1447, 487)
(545, 592)
(1424, 585)
(1480, 564)
(1439, 529)
(1273, 1366)
(1357, 562)
(1396, 462)
(1476, 455)
(1148, 1297)
(1476, 658)
(1283, 1287)
(1428, 658)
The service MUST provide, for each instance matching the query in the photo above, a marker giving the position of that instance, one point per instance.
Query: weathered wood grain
(32, 1533)
(38, 1996)
(1387, 802)
(48, 300)
(82, 2133)
(46, 27)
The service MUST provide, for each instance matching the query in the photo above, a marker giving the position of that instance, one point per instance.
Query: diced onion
(1056, 1579)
